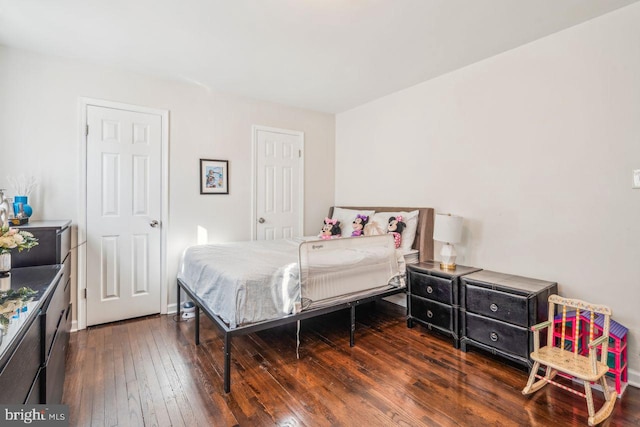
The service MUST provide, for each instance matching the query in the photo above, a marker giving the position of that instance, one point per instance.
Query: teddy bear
(358, 225)
(330, 229)
(395, 227)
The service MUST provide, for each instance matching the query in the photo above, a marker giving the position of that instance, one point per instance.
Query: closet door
(279, 187)
(124, 150)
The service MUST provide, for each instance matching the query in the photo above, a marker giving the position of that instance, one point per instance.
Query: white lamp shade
(447, 228)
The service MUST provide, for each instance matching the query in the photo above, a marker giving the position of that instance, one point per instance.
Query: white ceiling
(325, 55)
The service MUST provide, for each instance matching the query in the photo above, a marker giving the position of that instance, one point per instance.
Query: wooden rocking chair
(567, 351)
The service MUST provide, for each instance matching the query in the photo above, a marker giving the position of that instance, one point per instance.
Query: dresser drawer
(52, 313)
(432, 313)
(432, 287)
(64, 244)
(53, 378)
(494, 333)
(499, 305)
(66, 271)
(19, 373)
(54, 244)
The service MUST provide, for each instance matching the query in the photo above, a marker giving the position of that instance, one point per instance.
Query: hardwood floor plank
(88, 385)
(393, 376)
(134, 401)
(154, 410)
(108, 378)
(72, 391)
(119, 377)
(161, 378)
(139, 380)
(182, 407)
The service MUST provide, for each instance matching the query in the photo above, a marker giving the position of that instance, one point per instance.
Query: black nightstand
(498, 311)
(433, 297)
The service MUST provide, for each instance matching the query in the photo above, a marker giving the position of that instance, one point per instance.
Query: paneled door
(124, 151)
(279, 184)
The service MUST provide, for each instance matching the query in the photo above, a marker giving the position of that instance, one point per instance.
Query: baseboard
(172, 308)
(634, 378)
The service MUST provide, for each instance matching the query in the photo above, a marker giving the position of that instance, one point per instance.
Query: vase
(26, 208)
(5, 263)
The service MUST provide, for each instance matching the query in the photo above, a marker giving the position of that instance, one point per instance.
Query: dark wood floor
(148, 372)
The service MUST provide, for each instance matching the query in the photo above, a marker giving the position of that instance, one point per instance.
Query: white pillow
(346, 217)
(409, 232)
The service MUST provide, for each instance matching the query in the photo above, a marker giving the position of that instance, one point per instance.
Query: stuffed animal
(330, 229)
(358, 225)
(373, 228)
(395, 227)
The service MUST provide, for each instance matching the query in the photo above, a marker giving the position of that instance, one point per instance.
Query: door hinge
(299, 153)
(85, 293)
(86, 130)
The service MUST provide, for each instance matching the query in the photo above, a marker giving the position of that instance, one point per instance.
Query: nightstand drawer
(435, 288)
(432, 313)
(494, 333)
(499, 305)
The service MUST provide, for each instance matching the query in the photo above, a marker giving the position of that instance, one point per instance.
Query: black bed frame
(267, 324)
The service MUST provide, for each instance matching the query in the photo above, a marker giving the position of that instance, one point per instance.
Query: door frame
(254, 176)
(83, 104)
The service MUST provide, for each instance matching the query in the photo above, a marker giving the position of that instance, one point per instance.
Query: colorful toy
(395, 227)
(330, 229)
(617, 357)
(358, 225)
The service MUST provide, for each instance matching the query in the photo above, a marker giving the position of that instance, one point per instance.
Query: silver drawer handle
(493, 307)
(429, 314)
(429, 290)
(493, 336)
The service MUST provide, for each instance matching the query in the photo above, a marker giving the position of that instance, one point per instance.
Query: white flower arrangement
(22, 185)
(11, 238)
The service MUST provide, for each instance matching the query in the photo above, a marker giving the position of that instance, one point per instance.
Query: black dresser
(433, 297)
(498, 310)
(28, 338)
(54, 246)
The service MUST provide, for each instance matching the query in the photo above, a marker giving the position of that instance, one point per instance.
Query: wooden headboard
(424, 234)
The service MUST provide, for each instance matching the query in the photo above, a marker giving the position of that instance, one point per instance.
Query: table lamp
(448, 229)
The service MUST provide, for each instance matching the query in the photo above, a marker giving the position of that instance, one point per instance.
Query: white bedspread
(248, 282)
(244, 282)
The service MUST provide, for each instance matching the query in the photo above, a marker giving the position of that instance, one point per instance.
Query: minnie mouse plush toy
(395, 227)
(358, 225)
(330, 229)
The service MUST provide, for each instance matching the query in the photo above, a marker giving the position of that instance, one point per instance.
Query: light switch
(636, 178)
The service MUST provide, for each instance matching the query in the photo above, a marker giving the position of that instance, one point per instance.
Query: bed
(251, 286)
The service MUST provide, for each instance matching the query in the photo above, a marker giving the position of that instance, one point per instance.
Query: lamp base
(448, 257)
(444, 266)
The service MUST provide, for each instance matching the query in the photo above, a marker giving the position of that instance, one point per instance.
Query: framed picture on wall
(214, 176)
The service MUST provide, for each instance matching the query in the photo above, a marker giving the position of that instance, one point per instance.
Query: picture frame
(214, 176)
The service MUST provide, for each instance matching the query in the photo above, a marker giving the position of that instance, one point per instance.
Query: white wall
(39, 122)
(534, 148)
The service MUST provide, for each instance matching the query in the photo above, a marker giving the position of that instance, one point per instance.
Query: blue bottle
(25, 206)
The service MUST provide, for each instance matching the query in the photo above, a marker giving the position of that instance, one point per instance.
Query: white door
(279, 185)
(124, 150)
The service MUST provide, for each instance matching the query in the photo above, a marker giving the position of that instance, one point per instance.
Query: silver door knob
(154, 223)
(261, 220)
